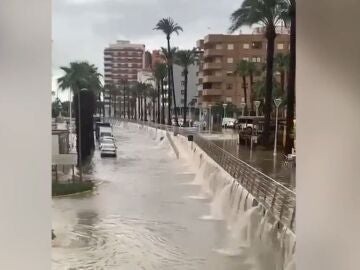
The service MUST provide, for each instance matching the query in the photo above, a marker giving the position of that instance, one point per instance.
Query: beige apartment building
(122, 61)
(218, 56)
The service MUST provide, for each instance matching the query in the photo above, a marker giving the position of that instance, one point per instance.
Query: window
(280, 46)
(229, 73)
(256, 59)
(228, 86)
(129, 65)
(256, 45)
(228, 99)
(230, 60)
(218, 73)
(182, 101)
(217, 60)
(230, 46)
(183, 92)
(246, 58)
(246, 46)
(218, 46)
(182, 83)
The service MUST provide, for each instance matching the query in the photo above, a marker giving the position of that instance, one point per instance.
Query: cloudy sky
(83, 28)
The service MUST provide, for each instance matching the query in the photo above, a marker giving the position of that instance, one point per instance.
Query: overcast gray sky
(83, 28)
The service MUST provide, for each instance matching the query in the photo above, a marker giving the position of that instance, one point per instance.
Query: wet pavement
(140, 217)
(261, 159)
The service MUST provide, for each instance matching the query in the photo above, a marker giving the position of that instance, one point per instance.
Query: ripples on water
(118, 243)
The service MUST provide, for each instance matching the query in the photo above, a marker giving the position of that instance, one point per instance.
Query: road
(140, 217)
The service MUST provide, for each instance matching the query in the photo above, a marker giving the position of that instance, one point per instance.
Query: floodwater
(141, 216)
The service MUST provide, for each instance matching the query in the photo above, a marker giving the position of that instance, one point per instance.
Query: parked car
(105, 132)
(98, 125)
(201, 124)
(228, 122)
(108, 150)
(106, 140)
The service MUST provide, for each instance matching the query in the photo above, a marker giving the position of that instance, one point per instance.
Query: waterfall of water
(252, 232)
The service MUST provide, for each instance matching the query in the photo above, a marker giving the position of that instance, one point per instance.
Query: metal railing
(275, 197)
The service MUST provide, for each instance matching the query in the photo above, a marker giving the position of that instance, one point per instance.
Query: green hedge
(59, 189)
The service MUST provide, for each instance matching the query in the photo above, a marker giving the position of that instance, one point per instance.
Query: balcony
(212, 79)
(212, 66)
(211, 92)
(213, 52)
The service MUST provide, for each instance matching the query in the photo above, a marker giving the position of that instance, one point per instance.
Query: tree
(268, 13)
(56, 108)
(160, 74)
(168, 27)
(77, 76)
(185, 58)
(168, 57)
(153, 95)
(291, 15)
(241, 69)
(253, 70)
(113, 91)
(282, 65)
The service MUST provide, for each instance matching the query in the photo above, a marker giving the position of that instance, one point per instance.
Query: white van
(228, 122)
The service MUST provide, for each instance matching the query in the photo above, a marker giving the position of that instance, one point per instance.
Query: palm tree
(268, 13)
(79, 75)
(168, 27)
(291, 15)
(281, 65)
(160, 74)
(168, 57)
(253, 70)
(185, 58)
(241, 69)
(153, 95)
(132, 102)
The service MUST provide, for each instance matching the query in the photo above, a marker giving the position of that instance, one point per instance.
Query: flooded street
(140, 216)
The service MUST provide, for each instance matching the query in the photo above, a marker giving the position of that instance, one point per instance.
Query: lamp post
(277, 104)
(210, 119)
(257, 105)
(242, 107)
(79, 140)
(224, 105)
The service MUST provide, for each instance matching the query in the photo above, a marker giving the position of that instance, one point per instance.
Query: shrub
(71, 187)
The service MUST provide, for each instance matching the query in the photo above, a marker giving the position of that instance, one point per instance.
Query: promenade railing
(275, 197)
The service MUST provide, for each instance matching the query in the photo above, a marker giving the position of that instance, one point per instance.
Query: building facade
(218, 55)
(122, 61)
(191, 88)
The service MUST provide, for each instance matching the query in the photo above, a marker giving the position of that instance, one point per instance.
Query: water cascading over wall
(252, 230)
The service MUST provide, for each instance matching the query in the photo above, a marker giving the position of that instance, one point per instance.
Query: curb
(80, 193)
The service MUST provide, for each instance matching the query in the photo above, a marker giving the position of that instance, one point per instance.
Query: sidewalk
(262, 160)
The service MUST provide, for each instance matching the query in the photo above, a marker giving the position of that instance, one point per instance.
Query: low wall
(252, 227)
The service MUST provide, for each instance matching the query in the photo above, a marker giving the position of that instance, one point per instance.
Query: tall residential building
(156, 58)
(122, 61)
(218, 56)
(147, 60)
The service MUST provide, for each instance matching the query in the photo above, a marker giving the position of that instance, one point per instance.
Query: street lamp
(79, 140)
(224, 105)
(210, 119)
(257, 105)
(242, 107)
(277, 104)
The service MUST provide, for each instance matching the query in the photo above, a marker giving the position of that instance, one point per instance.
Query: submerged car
(108, 150)
(106, 140)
